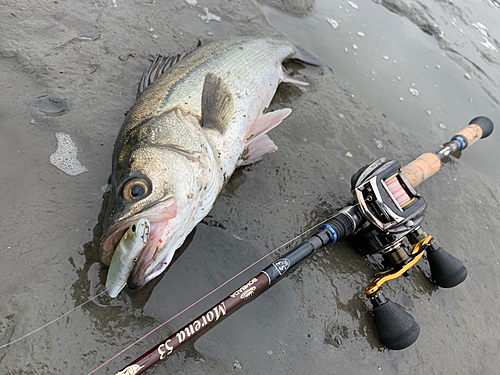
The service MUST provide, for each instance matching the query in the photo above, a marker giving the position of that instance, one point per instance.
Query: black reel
(393, 213)
(386, 220)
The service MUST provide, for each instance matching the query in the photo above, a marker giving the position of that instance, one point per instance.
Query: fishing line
(52, 321)
(205, 296)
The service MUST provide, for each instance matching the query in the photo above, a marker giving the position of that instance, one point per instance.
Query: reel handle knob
(446, 270)
(396, 328)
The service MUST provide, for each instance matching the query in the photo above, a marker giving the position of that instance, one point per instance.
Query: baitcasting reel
(387, 221)
(394, 212)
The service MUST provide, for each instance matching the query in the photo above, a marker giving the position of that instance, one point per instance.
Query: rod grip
(421, 168)
(471, 134)
(479, 127)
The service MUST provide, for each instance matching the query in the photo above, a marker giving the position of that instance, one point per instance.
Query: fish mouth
(150, 261)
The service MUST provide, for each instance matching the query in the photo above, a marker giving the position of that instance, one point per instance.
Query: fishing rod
(386, 219)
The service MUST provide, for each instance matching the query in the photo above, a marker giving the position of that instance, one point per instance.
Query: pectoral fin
(217, 104)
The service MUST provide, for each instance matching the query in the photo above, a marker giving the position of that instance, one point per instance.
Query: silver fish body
(184, 137)
(125, 256)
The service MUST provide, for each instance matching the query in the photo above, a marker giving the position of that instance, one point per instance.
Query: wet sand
(74, 68)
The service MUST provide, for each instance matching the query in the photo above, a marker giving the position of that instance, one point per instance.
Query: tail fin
(307, 57)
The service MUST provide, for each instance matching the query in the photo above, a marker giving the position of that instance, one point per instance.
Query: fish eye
(135, 189)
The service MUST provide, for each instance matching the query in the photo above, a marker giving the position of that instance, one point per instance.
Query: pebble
(209, 16)
(237, 365)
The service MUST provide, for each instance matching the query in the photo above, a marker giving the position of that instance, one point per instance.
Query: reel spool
(393, 212)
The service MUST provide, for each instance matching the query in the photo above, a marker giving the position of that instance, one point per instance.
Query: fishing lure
(125, 256)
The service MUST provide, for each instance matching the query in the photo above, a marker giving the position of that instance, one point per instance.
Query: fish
(125, 256)
(198, 117)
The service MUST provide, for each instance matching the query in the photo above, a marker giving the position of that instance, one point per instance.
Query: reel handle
(428, 164)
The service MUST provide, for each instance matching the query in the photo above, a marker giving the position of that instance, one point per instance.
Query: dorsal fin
(217, 104)
(157, 68)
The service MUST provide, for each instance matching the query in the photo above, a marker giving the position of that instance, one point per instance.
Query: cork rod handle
(421, 168)
(428, 164)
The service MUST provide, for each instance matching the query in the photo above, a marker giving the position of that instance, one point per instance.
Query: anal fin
(256, 150)
(257, 142)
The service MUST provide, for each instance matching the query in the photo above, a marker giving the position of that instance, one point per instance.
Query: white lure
(125, 256)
